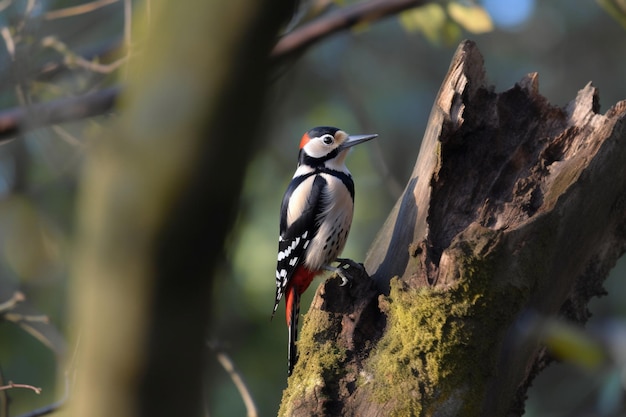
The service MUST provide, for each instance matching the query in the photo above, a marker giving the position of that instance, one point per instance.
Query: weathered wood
(515, 207)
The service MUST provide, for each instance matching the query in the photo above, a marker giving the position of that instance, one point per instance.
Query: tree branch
(342, 19)
(12, 385)
(22, 119)
(235, 376)
(14, 120)
(53, 407)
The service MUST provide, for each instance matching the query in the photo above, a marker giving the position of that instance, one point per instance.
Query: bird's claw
(344, 280)
(344, 264)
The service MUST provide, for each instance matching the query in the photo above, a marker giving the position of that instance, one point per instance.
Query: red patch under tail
(299, 282)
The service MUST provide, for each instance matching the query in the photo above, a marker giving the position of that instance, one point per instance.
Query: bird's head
(327, 145)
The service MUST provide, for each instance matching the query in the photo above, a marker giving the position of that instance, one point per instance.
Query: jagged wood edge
(464, 80)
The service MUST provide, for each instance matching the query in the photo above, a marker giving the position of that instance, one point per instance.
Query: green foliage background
(381, 78)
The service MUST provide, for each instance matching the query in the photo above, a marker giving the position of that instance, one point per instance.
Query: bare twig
(339, 20)
(33, 318)
(16, 298)
(71, 58)
(78, 10)
(51, 408)
(229, 367)
(54, 67)
(12, 385)
(93, 104)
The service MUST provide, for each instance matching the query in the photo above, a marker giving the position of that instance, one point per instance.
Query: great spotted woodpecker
(315, 219)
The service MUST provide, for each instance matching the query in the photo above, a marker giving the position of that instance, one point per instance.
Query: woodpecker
(315, 218)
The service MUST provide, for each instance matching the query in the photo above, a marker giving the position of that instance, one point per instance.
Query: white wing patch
(285, 253)
(288, 261)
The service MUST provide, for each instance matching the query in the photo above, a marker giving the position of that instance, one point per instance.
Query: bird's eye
(327, 139)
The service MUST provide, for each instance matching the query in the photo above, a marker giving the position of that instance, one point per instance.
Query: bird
(315, 219)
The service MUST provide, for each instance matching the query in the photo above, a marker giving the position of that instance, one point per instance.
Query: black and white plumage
(315, 218)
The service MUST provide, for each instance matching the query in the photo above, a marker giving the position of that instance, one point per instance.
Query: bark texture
(515, 208)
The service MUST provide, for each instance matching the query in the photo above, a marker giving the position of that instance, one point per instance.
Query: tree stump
(515, 209)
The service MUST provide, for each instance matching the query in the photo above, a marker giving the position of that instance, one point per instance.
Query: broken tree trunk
(515, 208)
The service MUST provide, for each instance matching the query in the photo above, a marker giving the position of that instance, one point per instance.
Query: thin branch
(16, 298)
(64, 110)
(33, 318)
(51, 408)
(12, 385)
(229, 367)
(73, 59)
(342, 19)
(56, 111)
(54, 67)
(78, 10)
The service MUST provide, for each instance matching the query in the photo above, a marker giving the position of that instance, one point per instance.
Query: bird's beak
(355, 140)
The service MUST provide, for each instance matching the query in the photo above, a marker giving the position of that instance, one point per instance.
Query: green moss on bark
(319, 366)
(438, 348)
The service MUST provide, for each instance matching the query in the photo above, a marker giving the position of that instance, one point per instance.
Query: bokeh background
(378, 78)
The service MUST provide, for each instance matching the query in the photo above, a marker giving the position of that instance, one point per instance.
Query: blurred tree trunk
(515, 208)
(157, 200)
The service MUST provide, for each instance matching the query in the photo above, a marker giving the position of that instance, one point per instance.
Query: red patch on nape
(305, 139)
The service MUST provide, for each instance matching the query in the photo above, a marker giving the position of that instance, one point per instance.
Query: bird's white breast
(334, 224)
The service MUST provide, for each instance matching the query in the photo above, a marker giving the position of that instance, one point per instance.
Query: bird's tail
(292, 312)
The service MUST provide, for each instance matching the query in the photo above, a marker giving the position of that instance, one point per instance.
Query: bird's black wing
(295, 238)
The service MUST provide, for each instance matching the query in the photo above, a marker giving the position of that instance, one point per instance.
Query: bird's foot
(344, 264)
(339, 271)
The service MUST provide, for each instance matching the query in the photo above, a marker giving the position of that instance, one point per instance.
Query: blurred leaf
(433, 22)
(570, 343)
(472, 18)
(451, 33)
(428, 19)
(616, 9)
